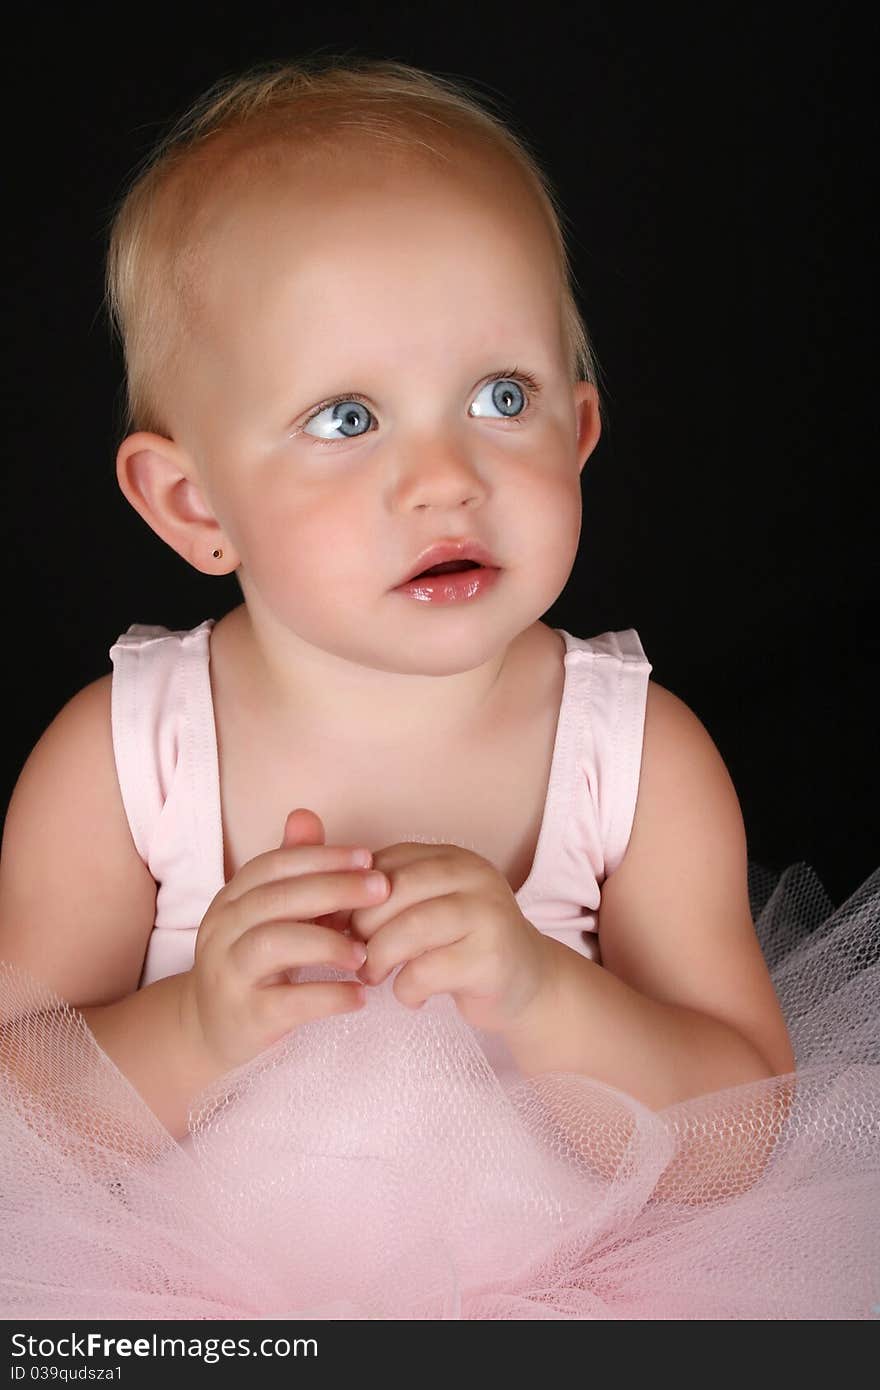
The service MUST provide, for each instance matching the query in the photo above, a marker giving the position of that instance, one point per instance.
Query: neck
(329, 696)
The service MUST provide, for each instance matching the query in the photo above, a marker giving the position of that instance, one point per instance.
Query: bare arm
(175, 1067)
(597, 1025)
(683, 1004)
(77, 906)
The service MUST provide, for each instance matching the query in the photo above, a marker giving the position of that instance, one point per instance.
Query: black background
(715, 163)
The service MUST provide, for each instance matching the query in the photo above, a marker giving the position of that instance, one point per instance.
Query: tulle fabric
(375, 1166)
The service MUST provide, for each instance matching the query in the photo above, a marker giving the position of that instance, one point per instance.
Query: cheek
(295, 542)
(555, 515)
(266, 532)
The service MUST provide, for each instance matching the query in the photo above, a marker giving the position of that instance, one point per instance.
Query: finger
(339, 921)
(414, 881)
(287, 1006)
(408, 851)
(303, 827)
(293, 860)
(295, 901)
(303, 898)
(273, 947)
(450, 969)
(428, 925)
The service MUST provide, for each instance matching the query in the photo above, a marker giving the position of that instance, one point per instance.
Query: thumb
(305, 827)
(302, 827)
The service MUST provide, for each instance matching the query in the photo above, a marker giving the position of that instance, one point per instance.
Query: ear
(589, 423)
(155, 474)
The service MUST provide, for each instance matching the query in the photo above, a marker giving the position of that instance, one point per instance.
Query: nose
(441, 476)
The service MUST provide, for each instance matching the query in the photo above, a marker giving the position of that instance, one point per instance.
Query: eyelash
(509, 374)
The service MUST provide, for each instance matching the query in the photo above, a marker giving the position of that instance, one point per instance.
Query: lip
(455, 589)
(442, 551)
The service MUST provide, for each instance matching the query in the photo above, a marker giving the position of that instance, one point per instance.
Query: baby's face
(403, 294)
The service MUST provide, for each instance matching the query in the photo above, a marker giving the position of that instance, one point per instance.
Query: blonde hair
(314, 104)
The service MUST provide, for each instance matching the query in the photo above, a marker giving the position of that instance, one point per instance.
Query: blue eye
(351, 415)
(347, 415)
(505, 394)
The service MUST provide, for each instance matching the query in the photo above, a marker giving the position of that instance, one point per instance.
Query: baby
(359, 381)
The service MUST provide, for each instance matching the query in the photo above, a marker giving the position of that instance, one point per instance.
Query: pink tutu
(377, 1166)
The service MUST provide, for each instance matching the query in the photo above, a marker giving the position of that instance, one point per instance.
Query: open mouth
(448, 567)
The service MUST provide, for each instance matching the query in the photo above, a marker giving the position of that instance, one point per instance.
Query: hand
(454, 919)
(282, 910)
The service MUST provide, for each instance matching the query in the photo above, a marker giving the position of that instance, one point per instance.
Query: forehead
(364, 235)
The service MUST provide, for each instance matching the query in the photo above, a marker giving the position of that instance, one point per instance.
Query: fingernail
(375, 881)
(362, 858)
(358, 955)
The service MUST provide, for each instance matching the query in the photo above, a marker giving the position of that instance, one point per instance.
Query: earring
(218, 554)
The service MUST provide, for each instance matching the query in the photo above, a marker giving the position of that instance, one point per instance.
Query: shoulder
(65, 776)
(687, 807)
(685, 789)
(80, 728)
(674, 738)
(75, 896)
